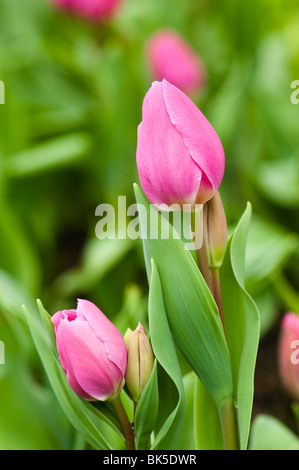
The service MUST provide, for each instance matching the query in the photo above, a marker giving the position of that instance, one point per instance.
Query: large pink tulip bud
(289, 354)
(91, 350)
(171, 57)
(91, 9)
(180, 157)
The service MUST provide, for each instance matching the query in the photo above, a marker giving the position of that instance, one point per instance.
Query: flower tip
(157, 84)
(83, 303)
(290, 320)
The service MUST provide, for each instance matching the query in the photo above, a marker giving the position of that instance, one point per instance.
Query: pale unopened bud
(140, 361)
(215, 231)
(127, 336)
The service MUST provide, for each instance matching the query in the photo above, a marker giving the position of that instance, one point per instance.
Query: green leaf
(268, 433)
(18, 254)
(172, 403)
(146, 411)
(188, 435)
(51, 154)
(48, 327)
(241, 322)
(283, 175)
(268, 248)
(96, 428)
(31, 417)
(208, 434)
(191, 311)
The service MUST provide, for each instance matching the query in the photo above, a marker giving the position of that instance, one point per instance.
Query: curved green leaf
(52, 154)
(18, 254)
(172, 403)
(269, 246)
(268, 433)
(188, 440)
(146, 411)
(241, 322)
(191, 311)
(208, 434)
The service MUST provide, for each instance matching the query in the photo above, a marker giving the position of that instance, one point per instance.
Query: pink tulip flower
(289, 354)
(91, 9)
(180, 158)
(91, 351)
(171, 57)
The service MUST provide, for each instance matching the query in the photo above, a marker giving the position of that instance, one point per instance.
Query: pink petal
(85, 360)
(167, 172)
(289, 370)
(92, 9)
(199, 137)
(67, 364)
(104, 329)
(95, 8)
(65, 314)
(172, 58)
(290, 322)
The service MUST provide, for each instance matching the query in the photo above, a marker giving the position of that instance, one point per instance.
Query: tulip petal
(67, 365)
(58, 316)
(85, 361)
(95, 8)
(198, 135)
(89, 8)
(172, 58)
(104, 330)
(167, 173)
(289, 365)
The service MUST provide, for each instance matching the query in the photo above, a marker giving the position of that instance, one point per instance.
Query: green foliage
(241, 324)
(146, 412)
(191, 310)
(269, 433)
(171, 409)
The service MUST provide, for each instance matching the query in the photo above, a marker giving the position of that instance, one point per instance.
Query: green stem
(229, 425)
(125, 423)
(199, 225)
(216, 286)
(203, 265)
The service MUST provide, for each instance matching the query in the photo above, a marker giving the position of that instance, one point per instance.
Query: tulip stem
(202, 262)
(127, 427)
(216, 289)
(229, 425)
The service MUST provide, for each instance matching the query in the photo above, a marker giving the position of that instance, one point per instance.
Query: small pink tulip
(91, 9)
(171, 57)
(180, 157)
(289, 354)
(91, 351)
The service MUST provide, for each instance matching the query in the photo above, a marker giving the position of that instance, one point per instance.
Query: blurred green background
(73, 99)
